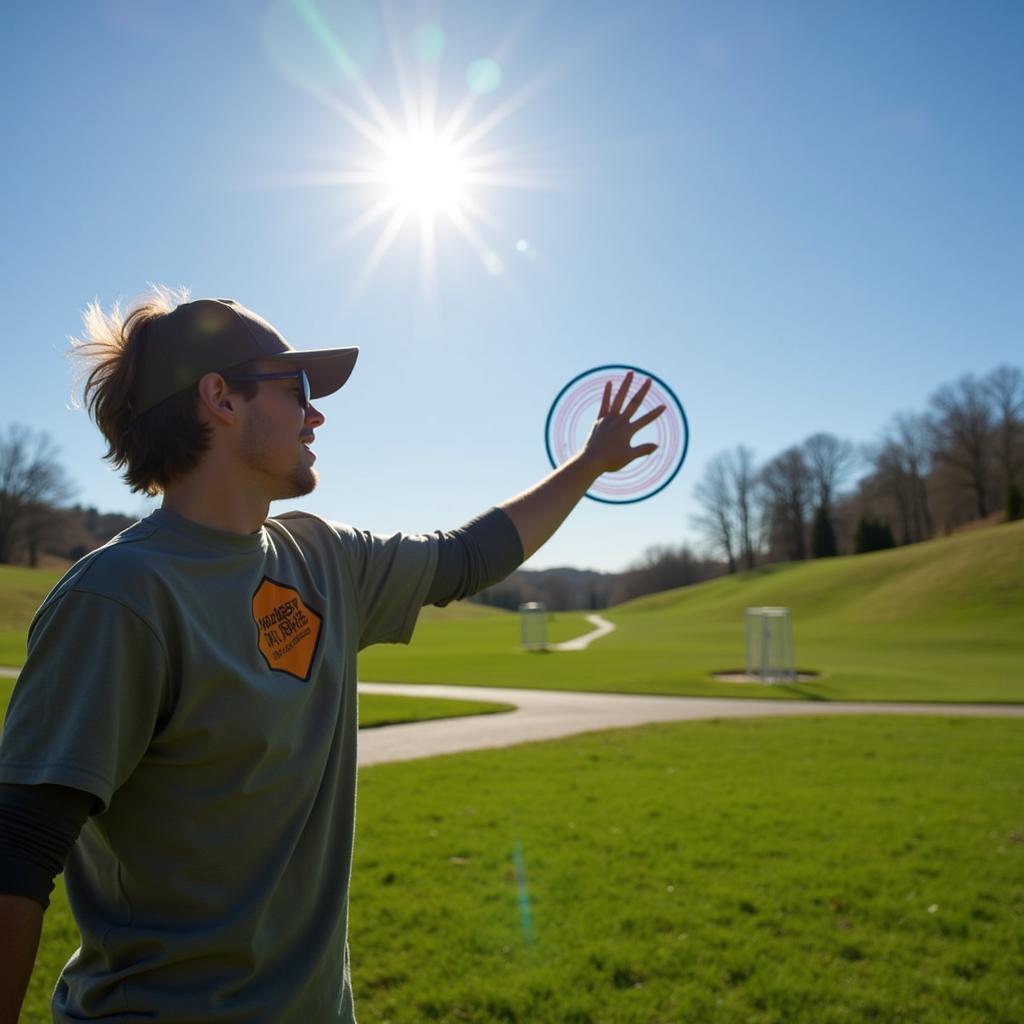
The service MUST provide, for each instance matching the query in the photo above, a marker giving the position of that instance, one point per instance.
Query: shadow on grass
(800, 691)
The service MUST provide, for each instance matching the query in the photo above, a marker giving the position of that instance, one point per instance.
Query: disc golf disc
(575, 409)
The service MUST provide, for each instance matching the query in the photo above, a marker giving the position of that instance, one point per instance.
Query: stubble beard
(302, 479)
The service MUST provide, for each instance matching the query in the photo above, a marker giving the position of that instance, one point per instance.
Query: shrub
(872, 535)
(823, 541)
(1014, 503)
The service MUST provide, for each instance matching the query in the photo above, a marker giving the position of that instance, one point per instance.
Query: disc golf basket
(769, 635)
(533, 626)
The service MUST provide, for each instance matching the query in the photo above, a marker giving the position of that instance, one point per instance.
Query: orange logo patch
(289, 629)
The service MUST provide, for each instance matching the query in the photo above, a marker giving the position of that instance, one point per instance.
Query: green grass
(21, 593)
(764, 871)
(939, 621)
(738, 872)
(384, 709)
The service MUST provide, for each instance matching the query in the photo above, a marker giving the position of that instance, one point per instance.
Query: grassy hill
(935, 621)
(21, 593)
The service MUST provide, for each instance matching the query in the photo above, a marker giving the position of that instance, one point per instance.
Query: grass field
(939, 621)
(762, 872)
(21, 593)
(384, 709)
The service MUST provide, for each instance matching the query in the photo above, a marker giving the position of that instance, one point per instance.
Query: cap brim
(326, 368)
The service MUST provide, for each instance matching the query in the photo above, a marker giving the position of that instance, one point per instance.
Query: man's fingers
(634, 402)
(606, 400)
(632, 454)
(623, 391)
(649, 417)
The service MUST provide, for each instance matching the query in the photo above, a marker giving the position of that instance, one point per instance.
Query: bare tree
(715, 494)
(786, 483)
(32, 483)
(829, 460)
(727, 493)
(1005, 387)
(962, 430)
(744, 482)
(902, 462)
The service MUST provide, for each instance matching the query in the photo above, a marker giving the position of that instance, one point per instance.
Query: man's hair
(165, 442)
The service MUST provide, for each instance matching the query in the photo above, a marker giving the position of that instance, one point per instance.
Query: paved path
(548, 714)
(581, 643)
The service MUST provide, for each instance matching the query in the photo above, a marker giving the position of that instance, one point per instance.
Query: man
(182, 738)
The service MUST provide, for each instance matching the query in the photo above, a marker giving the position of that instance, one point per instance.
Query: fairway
(937, 621)
(377, 709)
(818, 871)
(815, 871)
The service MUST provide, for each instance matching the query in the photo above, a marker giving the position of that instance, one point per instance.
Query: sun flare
(421, 172)
(424, 176)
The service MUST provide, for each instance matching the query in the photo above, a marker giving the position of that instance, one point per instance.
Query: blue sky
(802, 216)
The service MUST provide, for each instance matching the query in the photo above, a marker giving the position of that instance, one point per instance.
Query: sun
(424, 176)
(416, 172)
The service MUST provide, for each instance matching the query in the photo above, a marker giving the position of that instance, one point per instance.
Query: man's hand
(608, 447)
(537, 513)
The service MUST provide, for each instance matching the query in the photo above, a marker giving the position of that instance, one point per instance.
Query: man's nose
(314, 417)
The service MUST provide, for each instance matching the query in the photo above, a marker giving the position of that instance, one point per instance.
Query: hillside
(934, 621)
(949, 581)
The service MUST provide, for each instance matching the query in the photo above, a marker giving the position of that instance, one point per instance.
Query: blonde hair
(169, 439)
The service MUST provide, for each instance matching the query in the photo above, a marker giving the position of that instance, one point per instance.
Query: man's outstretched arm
(538, 512)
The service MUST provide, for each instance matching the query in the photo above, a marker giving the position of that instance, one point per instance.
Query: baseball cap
(213, 335)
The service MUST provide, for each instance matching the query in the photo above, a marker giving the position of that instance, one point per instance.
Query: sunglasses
(298, 375)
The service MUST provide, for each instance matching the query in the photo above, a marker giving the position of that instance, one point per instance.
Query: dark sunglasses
(299, 375)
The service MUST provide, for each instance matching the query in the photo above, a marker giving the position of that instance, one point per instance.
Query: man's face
(275, 434)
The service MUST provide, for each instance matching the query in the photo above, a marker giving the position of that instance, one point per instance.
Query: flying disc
(578, 405)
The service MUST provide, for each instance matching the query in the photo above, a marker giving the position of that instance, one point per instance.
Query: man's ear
(216, 399)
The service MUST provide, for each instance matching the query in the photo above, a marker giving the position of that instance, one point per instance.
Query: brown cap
(211, 336)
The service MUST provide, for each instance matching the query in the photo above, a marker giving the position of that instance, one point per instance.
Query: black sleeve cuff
(38, 827)
(474, 557)
(23, 878)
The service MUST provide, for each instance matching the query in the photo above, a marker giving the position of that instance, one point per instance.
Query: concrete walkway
(581, 643)
(549, 714)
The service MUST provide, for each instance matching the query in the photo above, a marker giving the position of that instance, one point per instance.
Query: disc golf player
(181, 741)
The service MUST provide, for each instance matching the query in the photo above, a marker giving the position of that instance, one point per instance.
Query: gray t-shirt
(202, 685)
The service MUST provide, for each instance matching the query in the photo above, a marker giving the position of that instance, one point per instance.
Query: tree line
(929, 473)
